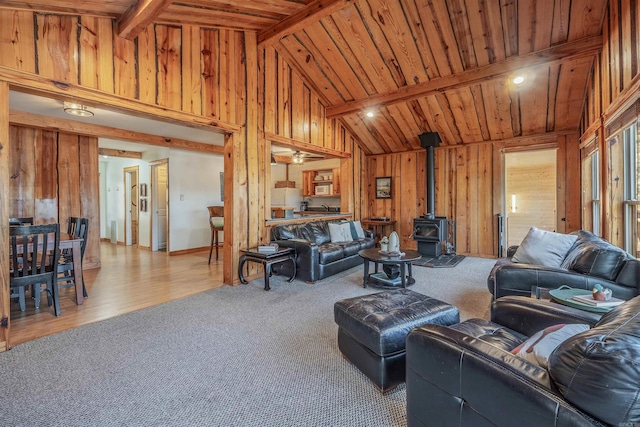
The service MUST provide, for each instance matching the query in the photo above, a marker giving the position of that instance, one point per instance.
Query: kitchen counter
(305, 216)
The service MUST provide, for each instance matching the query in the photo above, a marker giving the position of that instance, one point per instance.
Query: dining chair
(77, 227)
(216, 222)
(27, 220)
(33, 261)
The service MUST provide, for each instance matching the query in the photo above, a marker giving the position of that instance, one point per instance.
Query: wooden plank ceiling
(417, 65)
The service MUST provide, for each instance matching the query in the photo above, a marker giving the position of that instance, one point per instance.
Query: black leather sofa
(317, 257)
(590, 260)
(465, 375)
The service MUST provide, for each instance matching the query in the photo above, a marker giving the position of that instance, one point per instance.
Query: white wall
(194, 184)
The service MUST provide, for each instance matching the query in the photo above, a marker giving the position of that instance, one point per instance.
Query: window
(595, 193)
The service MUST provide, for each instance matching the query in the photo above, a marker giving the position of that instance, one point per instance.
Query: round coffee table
(378, 257)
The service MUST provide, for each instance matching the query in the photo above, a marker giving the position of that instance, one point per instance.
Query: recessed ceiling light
(369, 114)
(77, 109)
(518, 80)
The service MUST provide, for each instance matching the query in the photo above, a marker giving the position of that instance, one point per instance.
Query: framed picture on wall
(143, 205)
(383, 187)
(143, 190)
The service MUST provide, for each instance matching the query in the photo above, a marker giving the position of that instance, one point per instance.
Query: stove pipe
(430, 140)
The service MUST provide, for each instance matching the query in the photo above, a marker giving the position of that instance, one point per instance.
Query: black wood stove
(435, 234)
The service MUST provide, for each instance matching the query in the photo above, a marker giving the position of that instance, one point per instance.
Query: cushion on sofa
(599, 370)
(595, 256)
(317, 231)
(539, 346)
(330, 252)
(545, 248)
(340, 232)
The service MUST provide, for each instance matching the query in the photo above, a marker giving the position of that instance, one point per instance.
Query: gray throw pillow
(546, 248)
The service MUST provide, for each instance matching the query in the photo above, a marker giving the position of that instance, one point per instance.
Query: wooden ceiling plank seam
(217, 19)
(481, 33)
(516, 115)
(564, 52)
(552, 88)
(351, 127)
(351, 62)
(374, 69)
(586, 18)
(140, 16)
(327, 67)
(439, 123)
(384, 123)
(495, 111)
(276, 11)
(461, 29)
(476, 93)
(391, 15)
(419, 118)
(526, 25)
(406, 128)
(571, 98)
(462, 108)
(420, 39)
(544, 16)
(313, 12)
(492, 28)
(560, 26)
(448, 35)
(99, 8)
(509, 13)
(442, 100)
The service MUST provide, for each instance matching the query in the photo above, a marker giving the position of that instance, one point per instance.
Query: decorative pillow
(546, 248)
(340, 232)
(356, 230)
(540, 345)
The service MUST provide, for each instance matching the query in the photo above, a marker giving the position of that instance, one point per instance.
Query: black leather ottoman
(372, 330)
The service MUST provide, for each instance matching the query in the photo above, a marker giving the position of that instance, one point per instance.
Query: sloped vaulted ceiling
(418, 65)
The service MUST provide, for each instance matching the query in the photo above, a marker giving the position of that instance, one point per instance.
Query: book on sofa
(588, 299)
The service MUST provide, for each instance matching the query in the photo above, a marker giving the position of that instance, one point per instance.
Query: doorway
(131, 203)
(530, 193)
(159, 205)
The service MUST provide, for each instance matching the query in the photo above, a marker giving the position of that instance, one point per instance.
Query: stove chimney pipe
(430, 140)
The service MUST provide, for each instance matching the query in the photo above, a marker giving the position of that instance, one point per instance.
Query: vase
(384, 247)
(394, 242)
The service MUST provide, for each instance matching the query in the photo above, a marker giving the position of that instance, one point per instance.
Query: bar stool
(216, 222)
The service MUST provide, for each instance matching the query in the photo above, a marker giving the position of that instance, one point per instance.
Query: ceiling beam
(139, 16)
(294, 144)
(87, 129)
(313, 12)
(119, 153)
(580, 48)
(34, 84)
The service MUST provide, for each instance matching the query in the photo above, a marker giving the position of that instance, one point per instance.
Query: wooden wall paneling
(461, 189)
(628, 64)
(191, 74)
(499, 128)
(46, 180)
(605, 71)
(587, 197)
(5, 155)
(57, 47)
(407, 178)
(226, 75)
(486, 224)
(96, 50)
(472, 200)
(125, 66)
(615, 63)
(615, 191)
(210, 51)
(147, 77)
(561, 179)
(68, 178)
(284, 98)
(240, 84)
(316, 113)
(17, 43)
(572, 184)
(89, 187)
(269, 78)
(22, 155)
(298, 113)
(169, 66)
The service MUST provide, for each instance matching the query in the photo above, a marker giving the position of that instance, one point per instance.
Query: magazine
(588, 299)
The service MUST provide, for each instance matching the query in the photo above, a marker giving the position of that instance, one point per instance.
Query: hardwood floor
(129, 280)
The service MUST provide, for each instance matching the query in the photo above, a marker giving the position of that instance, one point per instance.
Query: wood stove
(435, 234)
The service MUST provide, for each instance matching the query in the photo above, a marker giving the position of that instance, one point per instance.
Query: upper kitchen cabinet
(321, 183)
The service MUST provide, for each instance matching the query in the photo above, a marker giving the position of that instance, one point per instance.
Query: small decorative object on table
(384, 244)
(394, 242)
(600, 293)
(268, 249)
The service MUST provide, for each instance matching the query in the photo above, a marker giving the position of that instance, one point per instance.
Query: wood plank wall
(613, 87)
(53, 176)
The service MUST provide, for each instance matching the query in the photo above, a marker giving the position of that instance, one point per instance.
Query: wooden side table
(378, 226)
(267, 260)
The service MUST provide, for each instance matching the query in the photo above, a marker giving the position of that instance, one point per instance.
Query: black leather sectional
(317, 257)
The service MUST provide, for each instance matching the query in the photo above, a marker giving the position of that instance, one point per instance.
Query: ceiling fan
(298, 156)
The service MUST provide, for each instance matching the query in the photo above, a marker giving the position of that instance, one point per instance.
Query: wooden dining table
(69, 241)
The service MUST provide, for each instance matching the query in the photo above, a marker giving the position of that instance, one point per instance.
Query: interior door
(530, 193)
(161, 206)
(131, 203)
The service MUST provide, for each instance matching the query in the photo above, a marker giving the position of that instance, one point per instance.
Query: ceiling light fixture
(518, 80)
(273, 160)
(297, 157)
(369, 114)
(77, 109)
